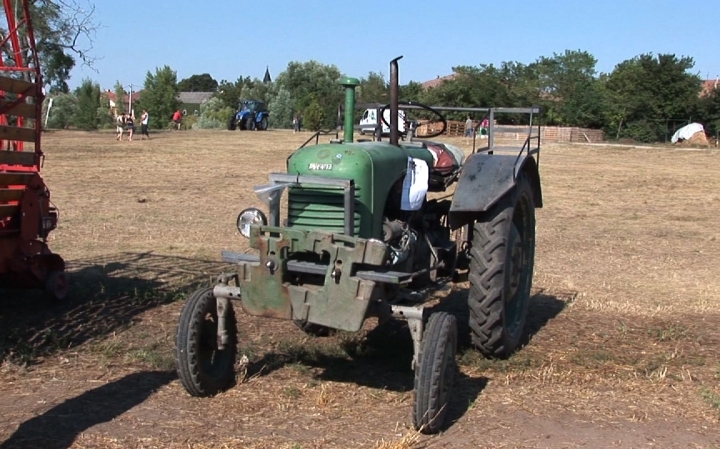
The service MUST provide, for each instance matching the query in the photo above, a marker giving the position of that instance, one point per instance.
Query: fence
(547, 133)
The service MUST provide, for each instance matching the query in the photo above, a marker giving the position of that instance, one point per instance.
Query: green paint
(375, 167)
(349, 84)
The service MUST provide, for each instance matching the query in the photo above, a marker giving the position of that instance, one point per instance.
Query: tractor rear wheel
(263, 124)
(435, 373)
(501, 270)
(203, 368)
(250, 124)
(232, 124)
(56, 285)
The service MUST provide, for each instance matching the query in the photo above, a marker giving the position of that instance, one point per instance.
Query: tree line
(644, 98)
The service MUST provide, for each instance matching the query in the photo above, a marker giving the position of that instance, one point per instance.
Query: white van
(368, 121)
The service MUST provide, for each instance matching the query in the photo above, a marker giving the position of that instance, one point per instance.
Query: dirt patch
(621, 347)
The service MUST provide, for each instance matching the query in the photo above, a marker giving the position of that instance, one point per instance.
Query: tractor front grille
(321, 208)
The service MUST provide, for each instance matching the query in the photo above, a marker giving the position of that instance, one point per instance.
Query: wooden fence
(547, 133)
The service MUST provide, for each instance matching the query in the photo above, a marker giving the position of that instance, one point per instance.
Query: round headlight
(249, 217)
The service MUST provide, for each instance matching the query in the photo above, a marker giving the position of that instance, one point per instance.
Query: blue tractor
(253, 114)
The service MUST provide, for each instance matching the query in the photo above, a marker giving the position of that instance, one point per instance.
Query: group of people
(470, 128)
(126, 122)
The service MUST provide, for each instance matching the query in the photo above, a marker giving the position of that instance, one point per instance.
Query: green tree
(198, 83)
(56, 68)
(88, 103)
(373, 89)
(62, 112)
(213, 114)
(119, 98)
(314, 116)
(570, 90)
(709, 112)
(231, 93)
(310, 82)
(257, 90)
(411, 91)
(63, 31)
(105, 118)
(483, 86)
(160, 96)
(647, 91)
(282, 109)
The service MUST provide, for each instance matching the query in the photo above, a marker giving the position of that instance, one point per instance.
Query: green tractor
(362, 238)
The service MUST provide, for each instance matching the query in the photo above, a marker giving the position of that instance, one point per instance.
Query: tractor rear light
(250, 217)
(49, 222)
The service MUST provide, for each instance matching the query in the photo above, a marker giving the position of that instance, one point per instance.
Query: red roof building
(708, 86)
(113, 101)
(437, 81)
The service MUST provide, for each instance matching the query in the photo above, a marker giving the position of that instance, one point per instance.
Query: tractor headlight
(249, 217)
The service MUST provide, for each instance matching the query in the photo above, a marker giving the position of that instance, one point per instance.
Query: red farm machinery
(26, 214)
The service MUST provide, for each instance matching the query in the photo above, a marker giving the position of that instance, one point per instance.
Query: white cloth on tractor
(415, 185)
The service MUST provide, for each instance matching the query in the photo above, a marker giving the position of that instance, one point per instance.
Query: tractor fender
(484, 179)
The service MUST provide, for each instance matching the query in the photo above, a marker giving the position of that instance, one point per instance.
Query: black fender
(484, 179)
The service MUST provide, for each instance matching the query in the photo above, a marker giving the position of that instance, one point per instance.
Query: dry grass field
(623, 340)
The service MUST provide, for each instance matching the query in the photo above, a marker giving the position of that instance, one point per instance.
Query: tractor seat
(448, 158)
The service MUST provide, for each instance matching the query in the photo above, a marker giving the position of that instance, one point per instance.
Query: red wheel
(56, 285)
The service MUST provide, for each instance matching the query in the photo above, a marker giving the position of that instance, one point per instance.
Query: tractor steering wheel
(421, 106)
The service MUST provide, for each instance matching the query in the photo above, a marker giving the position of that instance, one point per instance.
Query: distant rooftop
(437, 81)
(194, 97)
(709, 85)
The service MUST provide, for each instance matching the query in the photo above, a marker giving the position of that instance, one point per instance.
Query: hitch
(223, 293)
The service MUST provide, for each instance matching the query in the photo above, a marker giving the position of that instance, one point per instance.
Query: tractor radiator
(320, 208)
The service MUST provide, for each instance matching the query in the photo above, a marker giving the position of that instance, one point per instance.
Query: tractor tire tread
(187, 360)
(486, 276)
(430, 409)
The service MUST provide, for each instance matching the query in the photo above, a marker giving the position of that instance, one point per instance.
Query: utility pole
(130, 111)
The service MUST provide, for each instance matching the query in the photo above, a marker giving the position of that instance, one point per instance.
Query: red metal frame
(29, 65)
(26, 214)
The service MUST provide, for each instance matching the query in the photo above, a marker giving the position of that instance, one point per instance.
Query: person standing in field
(177, 118)
(469, 132)
(297, 122)
(120, 128)
(484, 125)
(129, 126)
(144, 120)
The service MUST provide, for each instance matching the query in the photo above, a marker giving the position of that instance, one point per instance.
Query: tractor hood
(374, 166)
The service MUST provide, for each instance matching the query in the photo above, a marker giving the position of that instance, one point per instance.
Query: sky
(229, 39)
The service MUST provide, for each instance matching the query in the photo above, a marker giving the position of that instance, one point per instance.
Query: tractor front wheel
(250, 124)
(232, 124)
(501, 270)
(204, 369)
(435, 373)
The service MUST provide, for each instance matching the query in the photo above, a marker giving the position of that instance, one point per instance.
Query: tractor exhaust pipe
(349, 126)
(394, 93)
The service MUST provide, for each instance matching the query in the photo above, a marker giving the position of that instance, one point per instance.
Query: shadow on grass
(59, 427)
(106, 294)
(382, 358)
(542, 309)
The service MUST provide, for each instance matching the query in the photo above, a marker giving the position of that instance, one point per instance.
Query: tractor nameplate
(320, 166)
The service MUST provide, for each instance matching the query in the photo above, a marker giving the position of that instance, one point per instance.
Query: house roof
(194, 97)
(437, 81)
(111, 96)
(709, 85)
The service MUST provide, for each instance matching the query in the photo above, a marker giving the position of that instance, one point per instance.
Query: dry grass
(623, 338)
